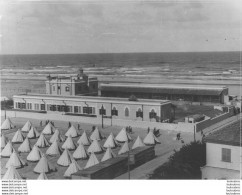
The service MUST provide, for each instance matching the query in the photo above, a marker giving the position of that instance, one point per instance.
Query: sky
(36, 27)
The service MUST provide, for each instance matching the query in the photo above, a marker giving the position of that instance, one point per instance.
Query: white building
(93, 106)
(223, 153)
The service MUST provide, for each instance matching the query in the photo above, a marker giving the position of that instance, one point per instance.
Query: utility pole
(102, 109)
(111, 115)
(194, 133)
(5, 113)
(128, 166)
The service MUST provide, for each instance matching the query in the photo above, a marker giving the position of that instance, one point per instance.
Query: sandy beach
(17, 81)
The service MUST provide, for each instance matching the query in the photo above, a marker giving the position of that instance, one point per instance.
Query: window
(102, 111)
(59, 108)
(67, 88)
(53, 88)
(226, 155)
(126, 112)
(152, 114)
(29, 106)
(75, 109)
(63, 108)
(114, 112)
(68, 108)
(42, 107)
(88, 110)
(139, 113)
(23, 105)
(36, 106)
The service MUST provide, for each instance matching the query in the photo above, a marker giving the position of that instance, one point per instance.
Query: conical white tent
(25, 146)
(108, 154)
(92, 161)
(56, 137)
(150, 139)
(54, 149)
(123, 136)
(15, 161)
(65, 158)
(138, 143)
(11, 173)
(35, 154)
(18, 137)
(69, 144)
(80, 152)
(95, 147)
(27, 126)
(84, 139)
(73, 168)
(42, 176)
(72, 132)
(110, 142)
(42, 142)
(96, 135)
(49, 129)
(7, 124)
(125, 148)
(43, 166)
(4, 140)
(7, 150)
(33, 133)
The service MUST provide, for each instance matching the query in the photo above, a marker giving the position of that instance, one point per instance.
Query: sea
(188, 60)
(219, 68)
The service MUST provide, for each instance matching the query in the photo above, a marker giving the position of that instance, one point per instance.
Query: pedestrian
(78, 126)
(69, 125)
(127, 129)
(178, 136)
(40, 123)
(148, 130)
(130, 129)
(93, 128)
(201, 132)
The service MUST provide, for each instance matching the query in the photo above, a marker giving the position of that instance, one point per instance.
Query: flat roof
(229, 135)
(165, 88)
(93, 99)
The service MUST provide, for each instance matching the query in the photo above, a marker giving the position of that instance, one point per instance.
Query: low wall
(94, 121)
(211, 121)
(185, 127)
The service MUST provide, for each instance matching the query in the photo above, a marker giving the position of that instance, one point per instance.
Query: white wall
(214, 156)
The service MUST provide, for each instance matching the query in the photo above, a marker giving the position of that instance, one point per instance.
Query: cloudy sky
(119, 26)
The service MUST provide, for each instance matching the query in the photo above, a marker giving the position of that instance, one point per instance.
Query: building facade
(91, 106)
(223, 153)
(73, 85)
(190, 93)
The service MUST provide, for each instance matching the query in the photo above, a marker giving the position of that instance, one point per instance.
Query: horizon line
(115, 53)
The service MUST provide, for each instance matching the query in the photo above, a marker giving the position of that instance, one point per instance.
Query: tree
(183, 164)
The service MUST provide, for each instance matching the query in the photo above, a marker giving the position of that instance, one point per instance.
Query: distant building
(191, 93)
(73, 85)
(91, 106)
(223, 153)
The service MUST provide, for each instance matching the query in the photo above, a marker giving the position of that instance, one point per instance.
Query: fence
(10, 92)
